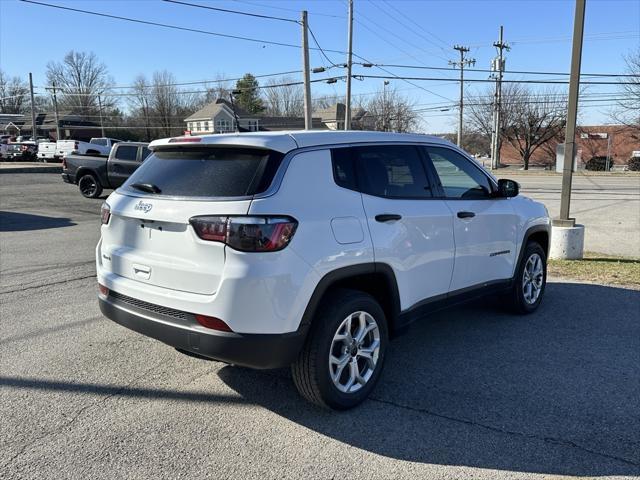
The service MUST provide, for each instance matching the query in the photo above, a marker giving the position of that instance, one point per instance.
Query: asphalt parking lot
(473, 392)
(608, 207)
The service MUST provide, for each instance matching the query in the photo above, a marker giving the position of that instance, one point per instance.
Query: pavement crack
(77, 415)
(60, 282)
(553, 440)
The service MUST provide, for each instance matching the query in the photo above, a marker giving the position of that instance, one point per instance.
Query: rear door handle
(387, 217)
(466, 214)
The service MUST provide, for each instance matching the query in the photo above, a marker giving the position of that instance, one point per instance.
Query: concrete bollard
(567, 243)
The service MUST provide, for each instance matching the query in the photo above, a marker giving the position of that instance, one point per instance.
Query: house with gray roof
(219, 117)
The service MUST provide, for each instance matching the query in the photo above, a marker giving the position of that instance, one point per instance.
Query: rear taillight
(104, 291)
(247, 234)
(213, 323)
(105, 213)
(64, 163)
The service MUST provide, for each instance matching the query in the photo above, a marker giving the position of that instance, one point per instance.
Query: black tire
(89, 186)
(311, 371)
(519, 301)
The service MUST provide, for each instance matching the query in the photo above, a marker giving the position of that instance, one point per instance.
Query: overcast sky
(420, 32)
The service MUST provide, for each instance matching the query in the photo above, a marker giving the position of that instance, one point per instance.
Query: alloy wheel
(532, 279)
(354, 352)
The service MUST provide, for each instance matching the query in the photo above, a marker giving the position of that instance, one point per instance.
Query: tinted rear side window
(393, 171)
(344, 172)
(207, 172)
(127, 152)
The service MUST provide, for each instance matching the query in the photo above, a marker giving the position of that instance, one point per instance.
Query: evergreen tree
(249, 96)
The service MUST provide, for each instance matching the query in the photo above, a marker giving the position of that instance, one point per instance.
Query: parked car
(310, 249)
(47, 152)
(4, 149)
(94, 173)
(95, 146)
(21, 151)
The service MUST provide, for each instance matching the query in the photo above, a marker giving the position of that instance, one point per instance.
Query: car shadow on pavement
(555, 392)
(20, 222)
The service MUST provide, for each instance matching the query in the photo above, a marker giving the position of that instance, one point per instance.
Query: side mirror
(508, 188)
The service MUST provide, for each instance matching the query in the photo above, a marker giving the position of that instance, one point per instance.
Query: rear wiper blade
(146, 187)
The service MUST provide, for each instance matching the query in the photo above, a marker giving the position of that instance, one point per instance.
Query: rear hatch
(149, 239)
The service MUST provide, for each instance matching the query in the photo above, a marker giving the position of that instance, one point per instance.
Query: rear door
(485, 227)
(411, 230)
(149, 239)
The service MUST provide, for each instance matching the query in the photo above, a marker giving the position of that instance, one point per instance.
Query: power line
(317, 14)
(199, 82)
(377, 33)
(237, 12)
(412, 29)
(185, 92)
(166, 25)
(515, 72)
(478, 80)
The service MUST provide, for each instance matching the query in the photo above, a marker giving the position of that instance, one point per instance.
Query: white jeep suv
(310, 249)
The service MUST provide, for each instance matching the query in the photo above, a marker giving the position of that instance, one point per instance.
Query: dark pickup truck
(93, 173)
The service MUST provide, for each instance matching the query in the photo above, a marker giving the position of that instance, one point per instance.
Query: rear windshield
(206, 172)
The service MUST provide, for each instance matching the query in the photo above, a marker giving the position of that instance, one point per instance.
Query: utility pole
(567, 238)
(572, 113)
(462, 63)
(100, 111)
(347, 112)
(55, 110)
(498, 66)
(385, 123)
(305, 68)
(33, 110)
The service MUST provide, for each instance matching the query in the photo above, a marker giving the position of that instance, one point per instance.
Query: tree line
(155, 105)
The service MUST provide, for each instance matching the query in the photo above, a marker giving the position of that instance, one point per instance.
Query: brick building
(615, 141)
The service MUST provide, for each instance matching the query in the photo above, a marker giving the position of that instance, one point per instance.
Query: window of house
(460, 178)
(198, 126)
(206, 126)
(223, 125)
(252, 125)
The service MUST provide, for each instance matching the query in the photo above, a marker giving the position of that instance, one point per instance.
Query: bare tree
(221, 88)
(390, 111)
(325, 101)
(13, 94)
(165, 102)
(139, 102)
(83, 82)
(627, 111)
(529, 120)
(282, 100)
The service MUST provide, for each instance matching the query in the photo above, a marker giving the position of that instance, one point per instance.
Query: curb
(52, 169)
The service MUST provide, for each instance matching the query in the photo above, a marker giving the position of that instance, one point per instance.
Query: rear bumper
(261, 351)
(67, 178)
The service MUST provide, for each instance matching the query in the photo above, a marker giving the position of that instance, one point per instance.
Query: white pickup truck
(47, 151)
(95, 146)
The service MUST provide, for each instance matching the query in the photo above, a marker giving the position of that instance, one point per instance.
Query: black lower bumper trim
(66, 178)
(261, 351)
